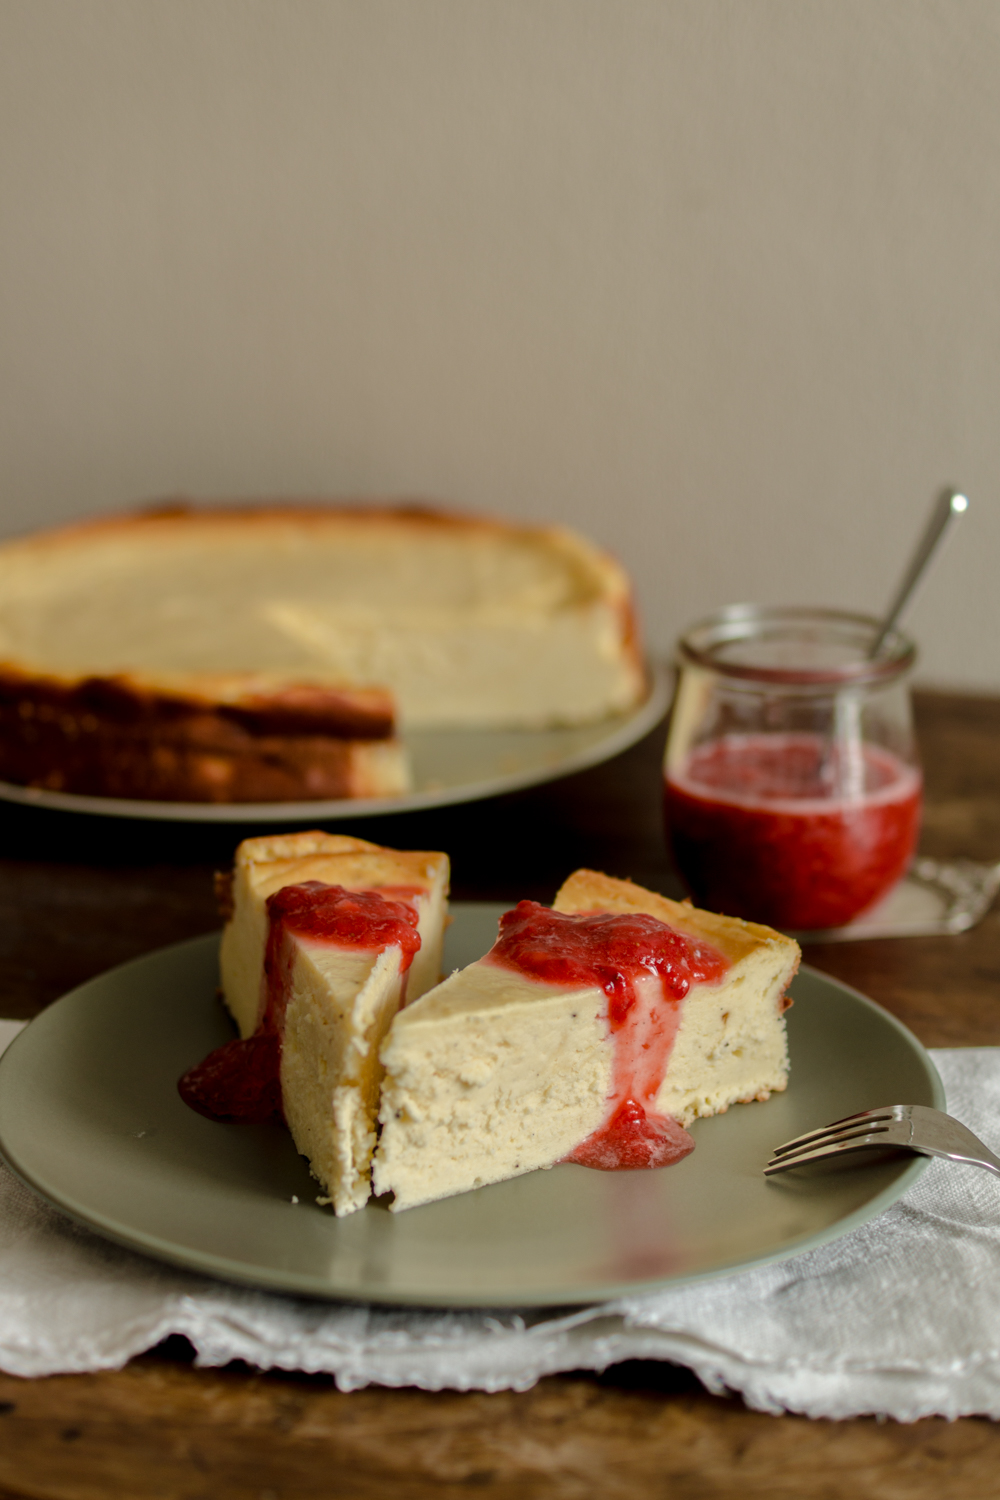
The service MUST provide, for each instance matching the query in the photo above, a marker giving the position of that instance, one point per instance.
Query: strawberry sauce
(241, 1081)
(645, 969)
(770, 827)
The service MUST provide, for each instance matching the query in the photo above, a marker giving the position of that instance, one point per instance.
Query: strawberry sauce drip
(646, 969)
(366, 920)
(238, 1083)
(241, 1081)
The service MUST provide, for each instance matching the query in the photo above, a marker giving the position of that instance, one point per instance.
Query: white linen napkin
(901, 1317)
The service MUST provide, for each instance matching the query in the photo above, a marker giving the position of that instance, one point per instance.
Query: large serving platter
(449, 766)
(90, 1118)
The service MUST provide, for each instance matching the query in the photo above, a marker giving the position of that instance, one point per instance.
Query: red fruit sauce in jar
(760, 828)
(241, 1081)
(646, 969)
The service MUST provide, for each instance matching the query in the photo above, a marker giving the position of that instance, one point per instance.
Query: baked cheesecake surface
(267, 653)
(594, 1033)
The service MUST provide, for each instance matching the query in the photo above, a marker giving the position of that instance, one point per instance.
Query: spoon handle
(949, 505)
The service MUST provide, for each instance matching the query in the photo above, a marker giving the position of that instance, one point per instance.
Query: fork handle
(987, 1160)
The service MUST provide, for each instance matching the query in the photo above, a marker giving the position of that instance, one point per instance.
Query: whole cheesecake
(269, 653)
(594, 1032)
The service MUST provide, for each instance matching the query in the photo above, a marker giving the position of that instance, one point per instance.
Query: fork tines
(911, 1127)
(851, 1133)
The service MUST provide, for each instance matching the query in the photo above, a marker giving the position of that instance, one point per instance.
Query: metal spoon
(949, 505)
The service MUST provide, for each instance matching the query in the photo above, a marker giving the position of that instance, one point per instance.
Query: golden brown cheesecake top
(588, 890)
(277, 860)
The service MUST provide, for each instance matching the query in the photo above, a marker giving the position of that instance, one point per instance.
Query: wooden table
(79, 895)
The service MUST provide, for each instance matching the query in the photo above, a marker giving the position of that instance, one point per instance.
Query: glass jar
(792, 788)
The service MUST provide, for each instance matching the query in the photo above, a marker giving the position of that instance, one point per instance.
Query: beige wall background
(717, 281)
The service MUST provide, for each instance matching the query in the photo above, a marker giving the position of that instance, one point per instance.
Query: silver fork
(912, 1127)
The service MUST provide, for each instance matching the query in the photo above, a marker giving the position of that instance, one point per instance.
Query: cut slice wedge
(583, 1037)
(327, 937)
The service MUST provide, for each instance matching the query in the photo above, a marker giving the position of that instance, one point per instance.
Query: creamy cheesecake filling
(241, 1081)
(645, 970)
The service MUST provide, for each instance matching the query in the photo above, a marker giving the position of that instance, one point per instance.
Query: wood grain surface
(80, 894)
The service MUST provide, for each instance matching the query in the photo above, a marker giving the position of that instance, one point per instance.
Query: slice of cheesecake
(327, 937)
(594, 1032)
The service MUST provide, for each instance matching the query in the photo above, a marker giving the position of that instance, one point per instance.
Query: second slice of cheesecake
(592, 1032)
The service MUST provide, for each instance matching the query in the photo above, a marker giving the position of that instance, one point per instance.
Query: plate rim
(290, 1283)
(625, 730)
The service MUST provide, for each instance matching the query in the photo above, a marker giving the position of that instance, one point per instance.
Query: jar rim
(701, 642)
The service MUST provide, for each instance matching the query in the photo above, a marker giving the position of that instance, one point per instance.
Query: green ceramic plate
(91, 1119)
